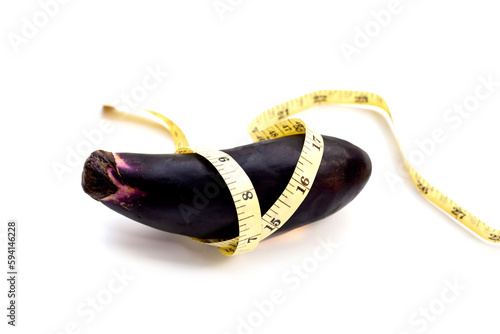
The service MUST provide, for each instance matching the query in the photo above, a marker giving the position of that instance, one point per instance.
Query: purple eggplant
(184, 194)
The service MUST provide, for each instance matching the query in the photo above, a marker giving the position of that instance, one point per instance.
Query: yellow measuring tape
(275, 123)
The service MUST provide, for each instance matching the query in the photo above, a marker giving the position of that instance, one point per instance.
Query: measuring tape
(274, 123)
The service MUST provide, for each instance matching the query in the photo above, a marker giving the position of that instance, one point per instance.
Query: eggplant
(184, 194)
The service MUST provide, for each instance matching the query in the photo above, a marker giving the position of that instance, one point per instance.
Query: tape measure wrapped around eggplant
(233, 199)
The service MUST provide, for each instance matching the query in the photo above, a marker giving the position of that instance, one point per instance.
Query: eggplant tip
(95, 179)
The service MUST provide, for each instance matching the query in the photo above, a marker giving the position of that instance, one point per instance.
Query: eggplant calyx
(95, 179)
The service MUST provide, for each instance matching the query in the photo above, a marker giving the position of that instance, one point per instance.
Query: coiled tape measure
(274, 123)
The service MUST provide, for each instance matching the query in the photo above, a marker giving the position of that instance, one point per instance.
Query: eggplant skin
(184, 194)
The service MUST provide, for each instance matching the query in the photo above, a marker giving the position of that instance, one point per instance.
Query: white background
(397, 254)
